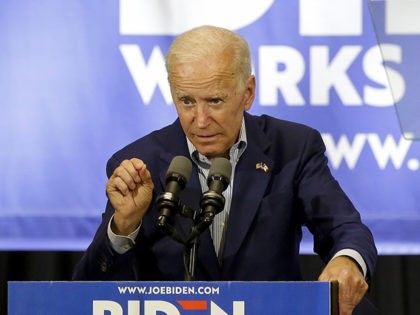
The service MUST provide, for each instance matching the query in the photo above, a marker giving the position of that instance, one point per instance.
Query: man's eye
(215, 101)
(186, 102)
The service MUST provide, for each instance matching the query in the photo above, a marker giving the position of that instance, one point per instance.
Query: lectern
(172, 298)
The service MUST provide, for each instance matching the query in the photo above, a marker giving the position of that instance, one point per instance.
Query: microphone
(212, 202)
(177, 176)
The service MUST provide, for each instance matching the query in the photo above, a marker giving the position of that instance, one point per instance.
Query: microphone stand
(192, 242)
(191, 247)
(211, 203)
(191, 256)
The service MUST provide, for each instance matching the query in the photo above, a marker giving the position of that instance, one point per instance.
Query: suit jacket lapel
(250, 183)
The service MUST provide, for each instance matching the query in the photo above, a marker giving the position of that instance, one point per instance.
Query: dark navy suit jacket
(267, 212)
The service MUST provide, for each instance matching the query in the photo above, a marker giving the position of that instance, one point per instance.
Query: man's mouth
(205, 137)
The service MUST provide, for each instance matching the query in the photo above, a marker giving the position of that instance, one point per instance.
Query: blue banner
(80, 79)
(170, 298)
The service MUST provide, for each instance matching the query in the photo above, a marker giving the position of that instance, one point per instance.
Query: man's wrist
(358, 259)
(121, 243)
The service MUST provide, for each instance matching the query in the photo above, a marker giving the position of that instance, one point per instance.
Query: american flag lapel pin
(261, 166)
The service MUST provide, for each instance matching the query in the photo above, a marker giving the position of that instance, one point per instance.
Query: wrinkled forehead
(214, 67)
(205, 76)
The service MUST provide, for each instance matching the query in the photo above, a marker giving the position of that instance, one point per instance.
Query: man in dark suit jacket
(280, 182)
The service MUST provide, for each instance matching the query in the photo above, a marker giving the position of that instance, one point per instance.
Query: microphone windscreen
(180, 165)
(221, 167)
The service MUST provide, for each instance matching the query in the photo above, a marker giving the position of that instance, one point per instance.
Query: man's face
(210, 104)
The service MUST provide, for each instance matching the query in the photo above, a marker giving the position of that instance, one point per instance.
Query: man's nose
(202, 115)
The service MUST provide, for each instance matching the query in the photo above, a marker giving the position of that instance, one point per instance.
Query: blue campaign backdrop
(80, 79)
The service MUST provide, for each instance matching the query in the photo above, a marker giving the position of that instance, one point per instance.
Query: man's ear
(250, 86)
